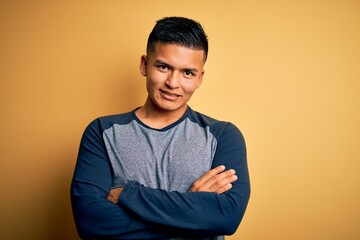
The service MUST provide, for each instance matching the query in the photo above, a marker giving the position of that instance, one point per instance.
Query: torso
(170, 159)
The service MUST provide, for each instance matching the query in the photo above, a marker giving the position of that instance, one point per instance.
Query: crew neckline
(160, 129)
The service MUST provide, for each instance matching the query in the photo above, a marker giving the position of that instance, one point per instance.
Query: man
(163, 170)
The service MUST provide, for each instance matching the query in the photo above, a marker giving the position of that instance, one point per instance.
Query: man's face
(173, 73)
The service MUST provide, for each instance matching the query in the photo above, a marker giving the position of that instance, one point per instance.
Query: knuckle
(212, 172)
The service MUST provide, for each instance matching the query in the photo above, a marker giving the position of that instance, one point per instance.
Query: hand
(114, 195)
(216, 180)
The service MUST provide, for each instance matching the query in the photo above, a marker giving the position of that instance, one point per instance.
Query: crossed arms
(215, 180)
(214, 205)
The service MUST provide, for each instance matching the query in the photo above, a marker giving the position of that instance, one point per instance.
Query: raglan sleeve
(198, 213)
(96, 217)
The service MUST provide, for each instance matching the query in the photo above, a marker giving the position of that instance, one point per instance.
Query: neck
(158, 118)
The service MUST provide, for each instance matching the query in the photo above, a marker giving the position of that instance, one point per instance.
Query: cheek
(151, 82)
(156, 78)
(189, 86)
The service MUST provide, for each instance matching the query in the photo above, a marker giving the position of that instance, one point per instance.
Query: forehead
(174, 54)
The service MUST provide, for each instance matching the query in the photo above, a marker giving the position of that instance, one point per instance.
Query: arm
(94, 215)
(199, 213)
(215, 180)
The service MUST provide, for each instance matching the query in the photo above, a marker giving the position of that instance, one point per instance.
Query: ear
(200, 79)
(143, 65)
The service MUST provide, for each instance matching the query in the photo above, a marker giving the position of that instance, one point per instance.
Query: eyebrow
(157, 61)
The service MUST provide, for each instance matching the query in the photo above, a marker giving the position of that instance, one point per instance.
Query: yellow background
(287, 73)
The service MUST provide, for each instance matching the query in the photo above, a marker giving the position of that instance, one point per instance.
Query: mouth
(169, 95)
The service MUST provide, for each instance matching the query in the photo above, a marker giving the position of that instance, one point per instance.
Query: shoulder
(218, 128)
(102, 123)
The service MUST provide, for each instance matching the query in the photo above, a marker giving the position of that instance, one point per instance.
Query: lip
(169, 95)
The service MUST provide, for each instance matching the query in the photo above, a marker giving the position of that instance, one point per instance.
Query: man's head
(173, 67)
(180, 31)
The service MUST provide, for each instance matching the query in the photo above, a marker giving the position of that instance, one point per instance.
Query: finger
(114, 195)
(216, 182)
(220, 179)
(224, 188)
(210, 174)
(221, 182)
(199, 184)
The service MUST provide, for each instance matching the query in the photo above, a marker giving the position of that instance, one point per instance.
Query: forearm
(96, 217)
(200, 213)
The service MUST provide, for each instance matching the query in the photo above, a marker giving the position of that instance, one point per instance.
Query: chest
(170, 160)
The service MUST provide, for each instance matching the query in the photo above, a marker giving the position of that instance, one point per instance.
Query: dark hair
(181, 31)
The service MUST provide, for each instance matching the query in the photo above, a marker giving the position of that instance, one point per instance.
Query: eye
(189, 73)
(163, 67)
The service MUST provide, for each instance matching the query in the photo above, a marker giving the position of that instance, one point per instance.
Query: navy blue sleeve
(198, 213)
(94, 215)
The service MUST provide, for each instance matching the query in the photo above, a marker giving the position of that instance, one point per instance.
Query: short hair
(180, 31)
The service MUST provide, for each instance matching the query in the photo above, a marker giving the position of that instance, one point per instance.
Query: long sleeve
(199, 213)
(94, 215)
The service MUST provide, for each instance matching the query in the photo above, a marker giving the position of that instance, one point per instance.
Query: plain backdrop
(287, 73)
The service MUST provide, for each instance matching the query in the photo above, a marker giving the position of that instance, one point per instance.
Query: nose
(173, 79)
